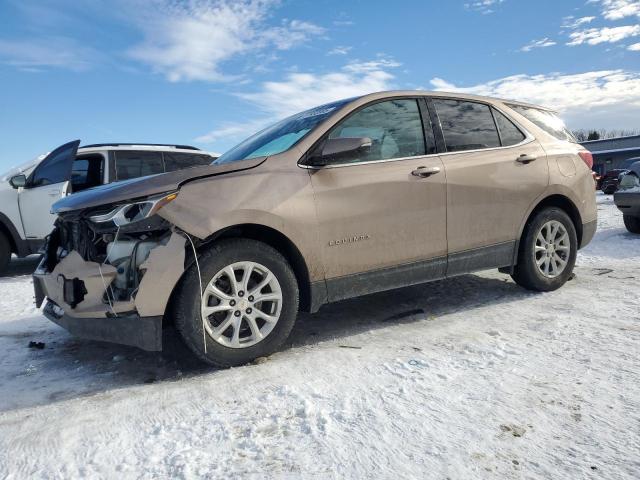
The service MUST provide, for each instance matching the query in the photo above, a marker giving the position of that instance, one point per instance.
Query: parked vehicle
(610, 180)
(627, 198)
(27, 193)
(354, 197)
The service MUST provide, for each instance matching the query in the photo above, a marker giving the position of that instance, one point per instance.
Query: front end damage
(108, 272)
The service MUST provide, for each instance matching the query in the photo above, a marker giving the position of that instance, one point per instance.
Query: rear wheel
(547, 251)
(5, 252)
(632, 223)
(248, 304)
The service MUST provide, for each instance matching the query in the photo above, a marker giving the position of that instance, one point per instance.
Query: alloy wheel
(552, 249)
(241, 304)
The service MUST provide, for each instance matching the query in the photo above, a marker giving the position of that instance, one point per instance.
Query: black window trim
(418, 98)
(434, 121)
(493, 110)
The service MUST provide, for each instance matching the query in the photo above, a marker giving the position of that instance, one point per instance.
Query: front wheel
(632, 223)
(247, 305)
(547, 251)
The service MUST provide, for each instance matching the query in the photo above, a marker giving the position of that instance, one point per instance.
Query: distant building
(613, 152)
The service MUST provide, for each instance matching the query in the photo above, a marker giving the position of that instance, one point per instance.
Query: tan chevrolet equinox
(346, 199)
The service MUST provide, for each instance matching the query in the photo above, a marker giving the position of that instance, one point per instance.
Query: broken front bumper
(133, 330)
(76, 298)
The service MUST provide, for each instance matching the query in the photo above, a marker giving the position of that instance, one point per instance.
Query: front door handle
(526, 158)
(424, 172)
(53, 193)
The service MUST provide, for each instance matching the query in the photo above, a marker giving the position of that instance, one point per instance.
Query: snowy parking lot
(471, 377)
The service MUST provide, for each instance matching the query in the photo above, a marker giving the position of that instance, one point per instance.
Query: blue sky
(210, 72)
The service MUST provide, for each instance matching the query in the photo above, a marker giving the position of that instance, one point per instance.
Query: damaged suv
(354, 197)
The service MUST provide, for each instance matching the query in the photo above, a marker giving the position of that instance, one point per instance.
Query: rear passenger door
(494, 172)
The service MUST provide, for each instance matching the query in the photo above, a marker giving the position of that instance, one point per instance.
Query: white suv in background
(27, 193)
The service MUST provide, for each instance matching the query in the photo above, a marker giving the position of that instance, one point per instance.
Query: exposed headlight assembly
(134, 212)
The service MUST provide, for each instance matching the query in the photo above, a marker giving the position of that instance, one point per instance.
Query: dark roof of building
(631, 142)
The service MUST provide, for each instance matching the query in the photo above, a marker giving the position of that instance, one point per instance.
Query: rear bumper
(133, 330)
(628, 203)
(588, 231)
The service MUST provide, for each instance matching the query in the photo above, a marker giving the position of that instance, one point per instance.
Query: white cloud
(545, 42)
(48, 52)
(339, 50)
(483, 6)
(573, 23)
(609, 98)
(618, 9)
(190, 40)
(300, 91)
(634, 47)
(595, 36)
(235, 131)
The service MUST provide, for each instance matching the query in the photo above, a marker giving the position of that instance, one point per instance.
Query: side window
(394, 127)
(178, 160)
(509, 133)
(54, 170)
(87, 172)
(79, 171)
(132, 164)
(466, 125)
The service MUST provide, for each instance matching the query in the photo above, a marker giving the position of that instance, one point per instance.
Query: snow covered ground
(465, 378)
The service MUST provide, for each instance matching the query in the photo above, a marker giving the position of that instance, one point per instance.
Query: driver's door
(47, 183)
(381, 214)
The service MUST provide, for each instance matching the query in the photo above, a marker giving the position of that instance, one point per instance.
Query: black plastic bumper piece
(588, 231)
(141, 332)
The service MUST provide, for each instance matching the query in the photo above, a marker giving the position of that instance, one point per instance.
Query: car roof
(460, 95)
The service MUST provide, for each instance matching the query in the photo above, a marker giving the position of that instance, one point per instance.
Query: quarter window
(132, 164)
(178, 160)
(394, 127)
(466, 125)
(547, 121)
(509, 133)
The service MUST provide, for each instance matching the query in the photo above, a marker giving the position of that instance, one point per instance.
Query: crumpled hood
(134, 188)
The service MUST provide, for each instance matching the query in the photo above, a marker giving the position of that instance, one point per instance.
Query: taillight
(587, 158)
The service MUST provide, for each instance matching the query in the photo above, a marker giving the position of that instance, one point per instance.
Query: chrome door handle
(424, 172)
(526, 158)
(53, 193)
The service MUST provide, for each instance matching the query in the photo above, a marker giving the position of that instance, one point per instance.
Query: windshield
(281, 136)
(547, 121)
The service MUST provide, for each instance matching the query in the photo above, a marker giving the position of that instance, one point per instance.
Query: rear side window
(394, 127)
(466, 125)
(547, 121)
(509, 133)
(178, 160)
(132, 164)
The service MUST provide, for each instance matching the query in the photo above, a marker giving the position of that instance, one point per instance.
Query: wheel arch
(562, 202)
(272, 237)
(8, 229)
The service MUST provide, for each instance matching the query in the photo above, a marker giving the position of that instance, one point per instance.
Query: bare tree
(583, 135)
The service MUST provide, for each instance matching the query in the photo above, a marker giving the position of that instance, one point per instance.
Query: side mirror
(333, 148)
(18, 181)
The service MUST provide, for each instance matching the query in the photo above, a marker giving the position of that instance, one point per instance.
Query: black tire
(5, 252)
(187, 302)
(632, 223)
(526, 272)
(610, 190)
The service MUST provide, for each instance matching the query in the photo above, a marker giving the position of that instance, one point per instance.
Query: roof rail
(118, 144)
